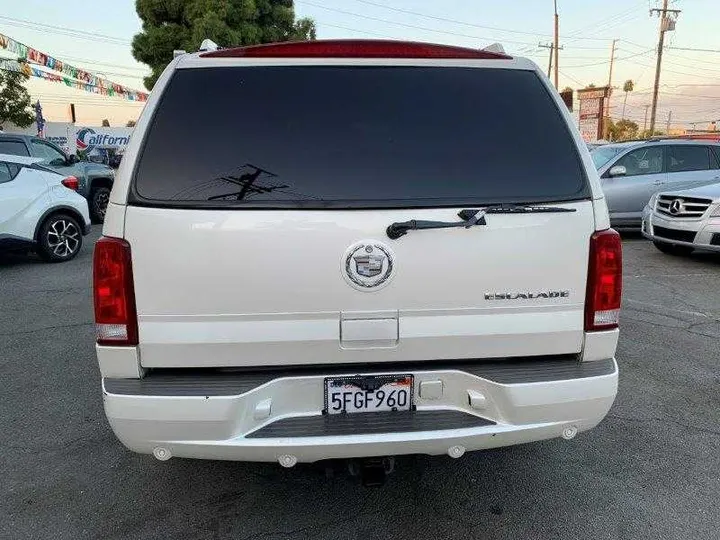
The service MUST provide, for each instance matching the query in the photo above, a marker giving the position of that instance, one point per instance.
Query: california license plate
(374, 393)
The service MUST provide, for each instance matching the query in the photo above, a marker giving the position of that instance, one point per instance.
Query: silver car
(679, 222)
(633, 172)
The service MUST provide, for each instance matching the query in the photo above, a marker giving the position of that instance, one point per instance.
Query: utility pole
(552, 49)
(612, 61)
(550, 46)
(667, 128)
(556, 44)
(606, 116)
(645, 122)
(666, 24)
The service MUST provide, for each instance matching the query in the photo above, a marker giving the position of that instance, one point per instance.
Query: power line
(608, 61)
(614, 25)
(678, 94)
(96, 63)
(690, 66)
(683, 57)
(680, 73)
(427, 29)
(689, 84)
(423, 28)
(355, 30)
(463, 23)
(33, 25)
(64, 59)
(695, 50)
(573, 79)
(573, 36)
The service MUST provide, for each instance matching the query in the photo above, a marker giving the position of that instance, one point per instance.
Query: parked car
(679, 222)
(95, 180)
(602, 154)
(352, 274)
(640, 170)
(114, 158)
(40, 210)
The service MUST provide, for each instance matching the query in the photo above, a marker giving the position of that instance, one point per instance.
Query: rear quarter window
(13, 148)
(356, 137)
(688, 158)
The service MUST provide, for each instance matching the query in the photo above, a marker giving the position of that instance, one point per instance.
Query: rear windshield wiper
(469, 217)
(511, 208)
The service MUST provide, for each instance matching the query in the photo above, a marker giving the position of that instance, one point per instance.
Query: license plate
(363, 394)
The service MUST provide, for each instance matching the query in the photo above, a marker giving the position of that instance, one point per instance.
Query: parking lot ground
(650, 470)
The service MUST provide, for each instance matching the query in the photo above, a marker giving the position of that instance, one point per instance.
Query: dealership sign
(593, 109)
(90, 138)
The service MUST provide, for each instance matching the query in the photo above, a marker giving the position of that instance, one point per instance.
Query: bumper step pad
(369, 424)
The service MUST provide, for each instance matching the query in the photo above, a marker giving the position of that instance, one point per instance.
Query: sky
(95, 35)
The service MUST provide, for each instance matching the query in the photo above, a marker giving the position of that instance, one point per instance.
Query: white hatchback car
(679, 222)
(340, 249)
(40, 210)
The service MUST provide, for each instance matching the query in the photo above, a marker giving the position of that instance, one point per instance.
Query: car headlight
(652, 201)
(716, 212)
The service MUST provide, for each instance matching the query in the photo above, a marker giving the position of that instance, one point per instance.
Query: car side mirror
(617, 170)
(73, 159)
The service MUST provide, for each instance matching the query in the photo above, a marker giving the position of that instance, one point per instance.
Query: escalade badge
(368, 265)
(528, 295)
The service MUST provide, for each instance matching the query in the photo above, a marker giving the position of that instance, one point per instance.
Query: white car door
(22, 191)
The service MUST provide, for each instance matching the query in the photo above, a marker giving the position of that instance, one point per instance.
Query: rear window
(13, 148)
(356, 137)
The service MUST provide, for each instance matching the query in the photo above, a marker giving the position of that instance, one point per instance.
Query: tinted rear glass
(13, 148)
(357, 137)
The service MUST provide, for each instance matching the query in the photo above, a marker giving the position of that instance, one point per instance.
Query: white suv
(681, 221)
(354, 249)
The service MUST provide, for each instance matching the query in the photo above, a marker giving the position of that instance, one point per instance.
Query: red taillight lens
(71, 183)
(115, 316)
(604, 286)
(353, 48)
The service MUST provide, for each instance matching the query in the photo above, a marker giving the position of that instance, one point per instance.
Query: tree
(627, 87)
(647, 134)
(130, 123)
(106, 123)
(15, 104)
(169, 25)
(623, 130)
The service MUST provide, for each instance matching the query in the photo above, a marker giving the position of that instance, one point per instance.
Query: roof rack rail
(495, 48)
(208, 45)
(704, 136)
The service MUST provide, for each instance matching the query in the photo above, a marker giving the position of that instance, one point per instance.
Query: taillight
(604, 285)
(115, 316)
(71, 183)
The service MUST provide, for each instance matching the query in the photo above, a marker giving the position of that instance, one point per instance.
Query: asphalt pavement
(650, 470)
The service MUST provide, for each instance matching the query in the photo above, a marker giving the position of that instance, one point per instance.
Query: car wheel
(60, 238)
(99, 199)
(673, 249)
